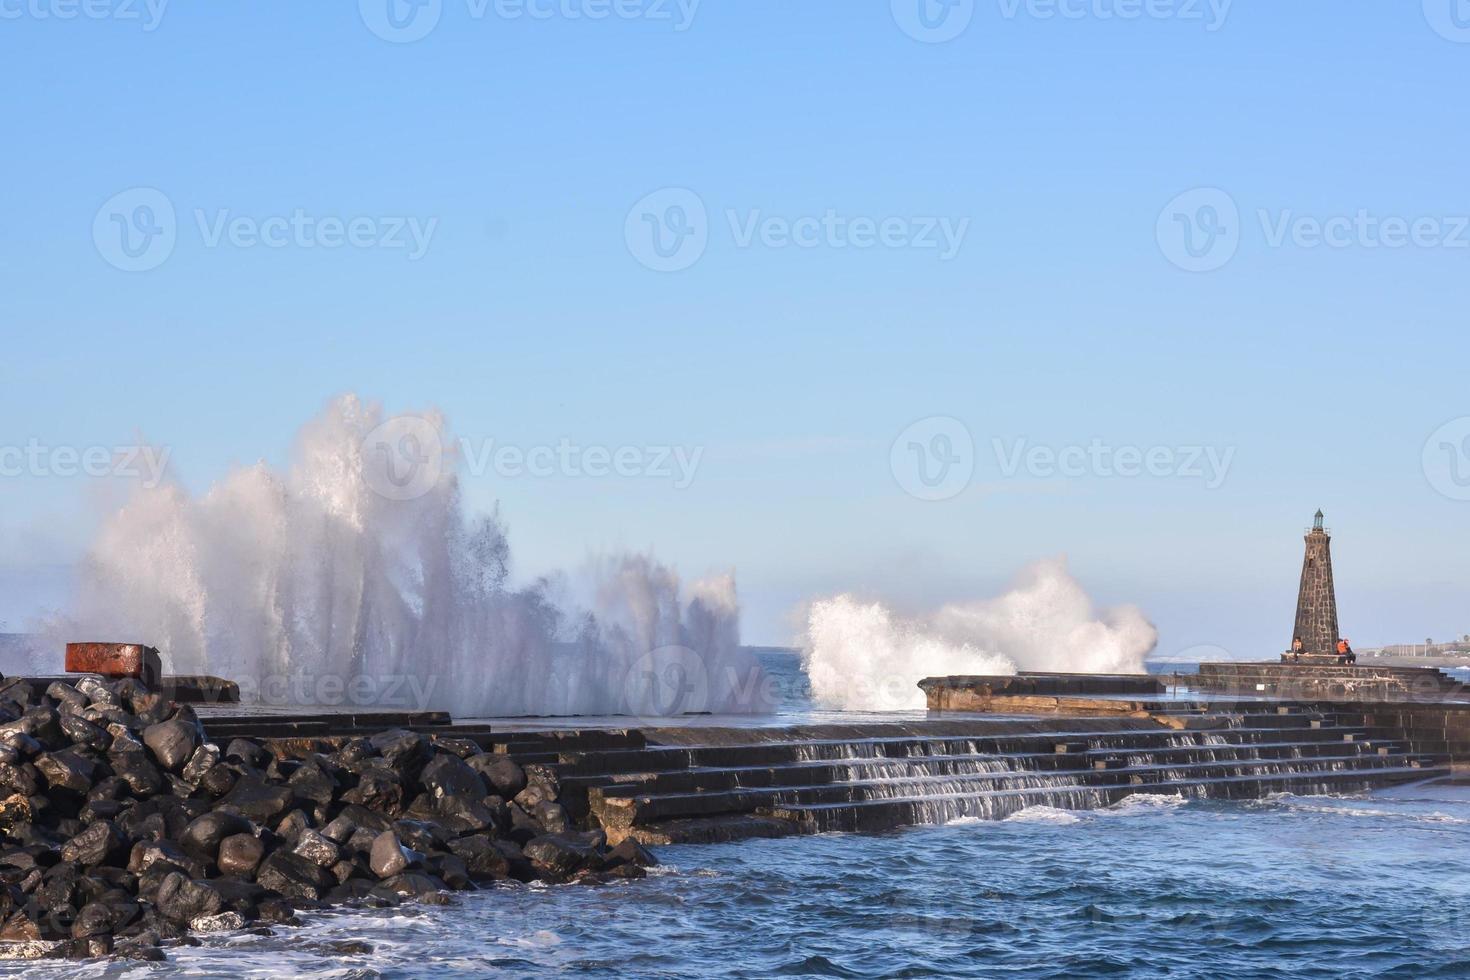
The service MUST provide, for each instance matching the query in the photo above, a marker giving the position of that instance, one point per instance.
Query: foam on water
(1044, 814)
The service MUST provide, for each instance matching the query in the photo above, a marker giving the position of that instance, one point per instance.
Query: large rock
(183, 900)
(246, 751)
(316, 849)
(313, 787)
(377, 789)
(294, 876)
(203, 835)
(505, 777)
(258, 800)
(200, 763)
(82, 731)
(403, 751)
(141, 775)
(172, 743)
(100, 843)
(389, 857)
(146, 854)
(67, 770)
(412, 884)
(630, 852)
(552, 818)
(24, 779)
(559, 856)
(239, 855)
(481, 857)
(447, 775)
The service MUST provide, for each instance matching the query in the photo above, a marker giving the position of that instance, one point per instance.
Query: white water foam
(1044, 814)
(313, 585)
(864, 656)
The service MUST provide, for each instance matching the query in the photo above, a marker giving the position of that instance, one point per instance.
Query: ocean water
(1367, 886)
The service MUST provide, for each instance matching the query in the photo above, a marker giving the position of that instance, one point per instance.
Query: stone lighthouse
(1316, 604)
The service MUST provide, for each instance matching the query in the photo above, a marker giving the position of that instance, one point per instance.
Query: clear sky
(862, 225)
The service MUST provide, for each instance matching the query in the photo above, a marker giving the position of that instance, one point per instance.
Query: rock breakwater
(125, 830)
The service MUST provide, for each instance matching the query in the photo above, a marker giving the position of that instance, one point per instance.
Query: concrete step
(799, 773)
(618, 810)
(669, 758)
(874, 815)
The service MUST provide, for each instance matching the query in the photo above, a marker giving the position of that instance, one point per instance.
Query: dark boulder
(501, 772)
(83, 732)
(218, 781)
(482, 859)
(246, 751)
(239, 855)
(402, 751)
(67, 770)
(200, 763)
(464, 815)
(552, 818)
(172, 743)
(181, 899)
(98, 693)
(316, 849)
(448, 775)
(377, 789)
(461, 747)
(100, 843)
(146, 854)
(630, 852)
(123, 740)
(294, 876)
(63, 693)
(313, 787)
(412, 884)
(24, 745)
(203, 835)
(559, 856)
(423, 835)
(24, 779)
(141, 775)
(44, 725)
(389, 857)
(258, 800)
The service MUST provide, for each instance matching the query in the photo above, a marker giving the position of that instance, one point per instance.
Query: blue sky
(1074, 151)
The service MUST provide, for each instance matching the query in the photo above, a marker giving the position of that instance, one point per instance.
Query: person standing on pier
(1345, 653)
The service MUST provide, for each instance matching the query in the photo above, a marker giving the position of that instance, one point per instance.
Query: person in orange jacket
(1345, 653)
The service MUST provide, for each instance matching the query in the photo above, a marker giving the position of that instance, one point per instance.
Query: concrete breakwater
(131, 820)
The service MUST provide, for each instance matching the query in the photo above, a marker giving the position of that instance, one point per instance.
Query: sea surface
(1369, 886)
(1374, 885)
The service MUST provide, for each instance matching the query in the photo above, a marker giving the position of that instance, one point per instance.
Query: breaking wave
(348, 579)
(864, 656)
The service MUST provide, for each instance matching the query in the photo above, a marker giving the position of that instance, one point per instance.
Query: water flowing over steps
(708, 783)
(705, 784)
